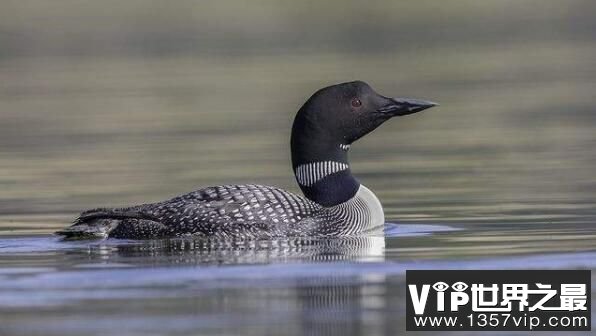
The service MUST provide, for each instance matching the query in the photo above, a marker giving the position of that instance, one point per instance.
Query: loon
(335, 203)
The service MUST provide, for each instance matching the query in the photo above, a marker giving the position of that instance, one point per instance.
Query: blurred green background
(108, 103)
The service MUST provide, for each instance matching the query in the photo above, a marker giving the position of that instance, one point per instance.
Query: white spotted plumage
(224, 211)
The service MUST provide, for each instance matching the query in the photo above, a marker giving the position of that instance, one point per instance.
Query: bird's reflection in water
(268, 286)
(239, 251)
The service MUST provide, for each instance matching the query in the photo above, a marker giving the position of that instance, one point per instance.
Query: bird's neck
(321, 168)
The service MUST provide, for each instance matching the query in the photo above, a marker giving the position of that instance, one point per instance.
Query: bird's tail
(95, 228)
(98, 223)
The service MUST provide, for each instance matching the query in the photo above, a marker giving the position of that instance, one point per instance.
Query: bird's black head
(343, 113)
(333, 118)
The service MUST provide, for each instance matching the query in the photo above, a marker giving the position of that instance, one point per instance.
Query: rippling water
(500, 176)
(290, 287)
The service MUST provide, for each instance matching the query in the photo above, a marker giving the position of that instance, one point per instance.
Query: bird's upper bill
(405, 106)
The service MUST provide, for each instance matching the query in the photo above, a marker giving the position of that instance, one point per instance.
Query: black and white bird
(335, 203)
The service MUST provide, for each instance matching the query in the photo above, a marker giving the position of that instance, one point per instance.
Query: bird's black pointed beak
(405, 106)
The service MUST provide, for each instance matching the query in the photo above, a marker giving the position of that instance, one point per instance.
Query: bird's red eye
(356, 102)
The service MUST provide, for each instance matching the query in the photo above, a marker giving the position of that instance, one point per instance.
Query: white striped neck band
(310, 173)
(344, 147)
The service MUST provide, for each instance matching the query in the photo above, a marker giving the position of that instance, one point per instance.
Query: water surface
(288, 287)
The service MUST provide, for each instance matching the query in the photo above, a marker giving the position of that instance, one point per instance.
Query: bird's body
(235, 211)
(335, 203)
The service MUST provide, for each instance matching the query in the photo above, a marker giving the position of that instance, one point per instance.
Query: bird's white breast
(376, 213)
